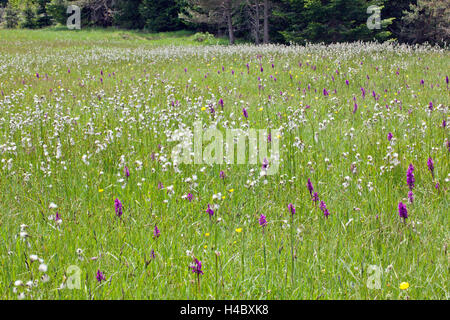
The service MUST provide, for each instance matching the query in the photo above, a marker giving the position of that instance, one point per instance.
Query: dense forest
(258, 21)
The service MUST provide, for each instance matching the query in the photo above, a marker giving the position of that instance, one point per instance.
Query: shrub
(203, 37)
(30, 17)
(57, 9)
(11, 17)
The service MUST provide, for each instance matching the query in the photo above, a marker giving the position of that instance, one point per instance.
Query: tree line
(259, 21)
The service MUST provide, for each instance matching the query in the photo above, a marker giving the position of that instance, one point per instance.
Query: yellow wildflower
(404, 285)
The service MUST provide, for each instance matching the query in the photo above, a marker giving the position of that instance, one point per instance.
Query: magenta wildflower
(310, 187)
(410, 177)
(210, 211)
(322, 206)
(430, 164)
(221, 102)
(347, 82)
(437, 186)
(430, 106)
(265, 164)
(126, 172)
(118, 206)
(197, 267)
(245, 113)
(411, 196)
(100, 277)
(262, 220)
(291, 208)
(152, 254)
(389, 136)
(326, 213)
(222, 175)
(190, 196)
(315, 197)
(355, 108)
(156, 232)
(403, 213)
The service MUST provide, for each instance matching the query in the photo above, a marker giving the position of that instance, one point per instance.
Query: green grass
(106, 36)
(66, 137)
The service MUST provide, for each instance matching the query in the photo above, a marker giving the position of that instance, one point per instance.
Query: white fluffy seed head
(43, 267)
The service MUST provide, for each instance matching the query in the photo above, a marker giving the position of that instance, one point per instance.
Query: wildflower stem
(265, 261)
(242, 258)
(292, 246)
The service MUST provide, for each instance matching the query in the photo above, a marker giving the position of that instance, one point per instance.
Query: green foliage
(428, 21)
(11, 17)
(160, 15)
(30, 17)
(128, 15)
(203, 37)
(331, 21)
(57, 10)
(395, 11)
(43, 19)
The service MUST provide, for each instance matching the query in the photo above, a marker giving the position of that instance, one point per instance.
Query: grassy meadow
(95, 207)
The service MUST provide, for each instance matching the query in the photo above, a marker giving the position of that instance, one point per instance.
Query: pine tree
(43, 19)
(30, 17)
(427, 21)
(160, 15)
(11, 17)
(56, 9)
(128, 15)
(395, 9)
(331, 21)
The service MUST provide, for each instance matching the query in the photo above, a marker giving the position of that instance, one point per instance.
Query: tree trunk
(230, 29)
(229, 20)
(266, 21)
(257, 22)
